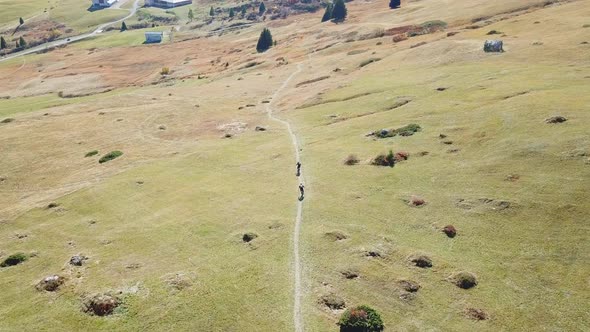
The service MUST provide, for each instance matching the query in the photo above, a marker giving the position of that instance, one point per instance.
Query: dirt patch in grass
(483, 203)
(421, 260)
(476, 314)
(78, 260)
(321, 78)
(101, 304)
(416, 201)
(248, 237)
(351, 160)
(333, 302)
(50, 283)
(465, 280)
(350, 273)
(450, 231)
(556, 119)
(409, 285)
(178, 281)
(335, 236)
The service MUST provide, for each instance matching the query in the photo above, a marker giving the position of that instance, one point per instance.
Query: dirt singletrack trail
(297, 317)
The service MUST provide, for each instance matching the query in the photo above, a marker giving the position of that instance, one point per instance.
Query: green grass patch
(14, 259)
(110, 156)
(407, 130)
(91, 153)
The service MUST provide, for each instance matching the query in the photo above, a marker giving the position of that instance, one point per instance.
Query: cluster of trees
(336, 12)
(20, 43)
(265, 41)
(232, 13)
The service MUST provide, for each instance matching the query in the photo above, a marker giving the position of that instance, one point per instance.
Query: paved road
(61, 42)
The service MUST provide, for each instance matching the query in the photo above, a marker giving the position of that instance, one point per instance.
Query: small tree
(2, 43)
(339, 12)
(243, 11)
(211, 12)
(17, 45)
(361, 319)
(123, 26)
(22, 43)
(328, 13)
(261, 8)
(394, 4)
(265, 41)
(21, 21)
(191, 15)
(231, 13)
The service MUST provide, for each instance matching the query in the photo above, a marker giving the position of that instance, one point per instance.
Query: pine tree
(394, 4)
(211, 12)
(243, 11)
(328, 13)
(123, 26)
(191, 15)
(22, 43)
(339, 12)
(265, 41)
(21, 21)
(261, 8)
(231, 13)
(2, 43)
(17, 45)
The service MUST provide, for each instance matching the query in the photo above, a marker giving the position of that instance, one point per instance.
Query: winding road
(66, 41)
(297, 317)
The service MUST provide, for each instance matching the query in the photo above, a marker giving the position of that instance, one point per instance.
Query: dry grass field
(163, 225)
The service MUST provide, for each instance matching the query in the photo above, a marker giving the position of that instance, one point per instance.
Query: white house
(153, 37)
(167, 3)
(103, 3)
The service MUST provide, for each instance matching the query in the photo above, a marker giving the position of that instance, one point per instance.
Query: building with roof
(103, 3)
(153, 37)
(167, 3)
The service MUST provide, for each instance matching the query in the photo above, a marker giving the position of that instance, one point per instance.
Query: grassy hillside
(163, 224)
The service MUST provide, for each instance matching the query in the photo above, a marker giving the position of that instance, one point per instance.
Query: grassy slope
(187, 217)
(532, 259)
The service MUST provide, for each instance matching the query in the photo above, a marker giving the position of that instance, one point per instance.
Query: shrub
(91, 153)
(421, 261)
(351, 160)
(384, 160)
(361, 319)
(401, 156)
(369, 61)
(450, 231)
(14, 259)
(110, 156)
(165, 71)
(264, 41)
(417, 201)
(464, 280)
(249, 237)
(407, 130)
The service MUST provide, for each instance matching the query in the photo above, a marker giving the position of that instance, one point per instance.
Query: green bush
(369, 61)
(361, 319)
(384, 160)
(91, 153)
(110, 156)
(408, 130)
(14, 259)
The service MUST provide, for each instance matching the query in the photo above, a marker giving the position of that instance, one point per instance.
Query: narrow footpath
(297, 317)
